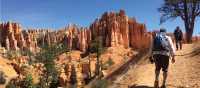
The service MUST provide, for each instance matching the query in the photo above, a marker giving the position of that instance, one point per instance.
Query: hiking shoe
(163, 86)
(156, 84)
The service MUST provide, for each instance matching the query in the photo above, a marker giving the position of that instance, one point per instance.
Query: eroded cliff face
(114, 29)
(10, 34)
(139, 37)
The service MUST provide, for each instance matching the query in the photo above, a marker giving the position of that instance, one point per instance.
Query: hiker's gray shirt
(170, 45)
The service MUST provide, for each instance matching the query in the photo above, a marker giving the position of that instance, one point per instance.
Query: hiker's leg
(157, 75)
(157, 70)
(158, 66)
(156, 82)
(165, 64)
(180, 44)
(164, 77)
(176, 44)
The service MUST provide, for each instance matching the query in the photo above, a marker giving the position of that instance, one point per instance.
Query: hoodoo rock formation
(117, 29)
(13, 38)
(139, 37)
(114, 29)
(10, 34)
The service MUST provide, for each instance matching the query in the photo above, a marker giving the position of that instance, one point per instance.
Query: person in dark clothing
(178, 37)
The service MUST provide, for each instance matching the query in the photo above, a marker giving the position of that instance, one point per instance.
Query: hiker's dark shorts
(161, 61)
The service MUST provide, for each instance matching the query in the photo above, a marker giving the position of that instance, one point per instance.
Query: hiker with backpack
(178, 37)
(161, 50)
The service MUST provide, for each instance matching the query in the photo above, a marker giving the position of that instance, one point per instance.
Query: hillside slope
(7, 70)
(185, 73)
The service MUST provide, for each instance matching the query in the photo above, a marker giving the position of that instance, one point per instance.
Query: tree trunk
(189, 27)
(189, 33)
(97, 66)
(90, 73)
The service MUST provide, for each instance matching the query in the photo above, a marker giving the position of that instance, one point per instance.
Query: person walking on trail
(178, 37)
(161, 50)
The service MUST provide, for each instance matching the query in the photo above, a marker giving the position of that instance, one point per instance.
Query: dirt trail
(185, 73)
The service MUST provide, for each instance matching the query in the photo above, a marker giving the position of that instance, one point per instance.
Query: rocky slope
(7, 72)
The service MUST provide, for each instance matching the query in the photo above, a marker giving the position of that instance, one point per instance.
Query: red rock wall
(115, 29)
(10, 35)
(139, 37)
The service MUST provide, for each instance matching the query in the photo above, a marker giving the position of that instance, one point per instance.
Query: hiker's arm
(172, 49)
(181, 35)
(174, 31)
(151, 47)
(151, 51)
(173, 59)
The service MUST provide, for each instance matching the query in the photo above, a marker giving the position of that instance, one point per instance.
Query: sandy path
(185, 73)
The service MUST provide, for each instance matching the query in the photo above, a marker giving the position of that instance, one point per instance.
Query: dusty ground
(184, 73)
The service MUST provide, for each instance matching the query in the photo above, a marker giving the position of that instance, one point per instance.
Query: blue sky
(58, 13)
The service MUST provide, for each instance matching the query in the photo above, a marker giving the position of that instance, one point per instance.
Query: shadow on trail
(177, 86)
(195, 52)
(144, 86)
(125, 67)
(140, 86)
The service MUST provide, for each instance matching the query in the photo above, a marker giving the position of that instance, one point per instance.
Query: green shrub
(11, 85)
(107, 64)
(110, 62)
(100, 84)
(46, 56)
(11, 54)
(28, 82)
